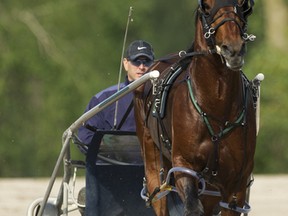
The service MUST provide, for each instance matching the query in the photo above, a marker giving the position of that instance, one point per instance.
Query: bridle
(207, 17)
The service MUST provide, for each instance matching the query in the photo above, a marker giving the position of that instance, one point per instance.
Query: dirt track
(269, 195)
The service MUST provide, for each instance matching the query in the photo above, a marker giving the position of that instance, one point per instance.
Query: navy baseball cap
(139, 48)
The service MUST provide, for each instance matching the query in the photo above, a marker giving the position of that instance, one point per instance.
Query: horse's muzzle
(234, 56)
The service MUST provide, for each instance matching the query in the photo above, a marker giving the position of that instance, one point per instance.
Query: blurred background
(56, 54)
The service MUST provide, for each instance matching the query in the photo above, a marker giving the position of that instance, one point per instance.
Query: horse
(198, 119)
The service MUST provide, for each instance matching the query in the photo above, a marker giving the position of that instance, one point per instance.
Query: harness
(163, 86)
(160, 100)
(162, 91)
(228, 127)
(208, 18)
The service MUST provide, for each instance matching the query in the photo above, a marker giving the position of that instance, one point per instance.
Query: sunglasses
(138, 62)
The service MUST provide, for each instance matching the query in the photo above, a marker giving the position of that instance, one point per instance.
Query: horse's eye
(205, 8)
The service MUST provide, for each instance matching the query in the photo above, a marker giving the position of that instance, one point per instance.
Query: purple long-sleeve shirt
(104, 120)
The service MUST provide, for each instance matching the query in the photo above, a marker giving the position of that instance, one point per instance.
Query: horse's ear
(248, 8)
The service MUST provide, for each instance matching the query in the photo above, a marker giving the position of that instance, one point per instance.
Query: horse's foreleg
(234, 200)
(152, 163)
(210, 205)
(159, 206)
(188, 191)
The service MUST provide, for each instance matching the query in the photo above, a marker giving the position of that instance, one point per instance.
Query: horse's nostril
(226, 50)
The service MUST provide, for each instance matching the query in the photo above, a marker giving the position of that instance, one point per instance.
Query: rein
(183, 54)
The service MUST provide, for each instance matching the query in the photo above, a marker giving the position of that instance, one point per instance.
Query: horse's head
(224, 25)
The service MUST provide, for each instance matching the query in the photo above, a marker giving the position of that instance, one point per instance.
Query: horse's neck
(215, 85)
(210, 73)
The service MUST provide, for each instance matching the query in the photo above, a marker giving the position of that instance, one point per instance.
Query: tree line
(54, 55)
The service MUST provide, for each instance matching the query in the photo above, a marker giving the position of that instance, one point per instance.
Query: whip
(122, 55)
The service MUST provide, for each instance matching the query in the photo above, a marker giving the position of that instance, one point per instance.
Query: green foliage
(272, 150)
(54, 55)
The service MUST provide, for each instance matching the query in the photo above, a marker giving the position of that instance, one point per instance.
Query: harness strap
(161, 174)
(215, 137)
(183, 54)
(206, 119)
(125, 115)
(241, 11)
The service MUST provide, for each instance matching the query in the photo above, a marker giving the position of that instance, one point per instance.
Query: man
(138, 57)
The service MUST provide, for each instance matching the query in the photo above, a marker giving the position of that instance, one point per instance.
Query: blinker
(221, 4)
(246, 5)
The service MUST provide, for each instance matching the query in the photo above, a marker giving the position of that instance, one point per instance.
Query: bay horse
(199, 117)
